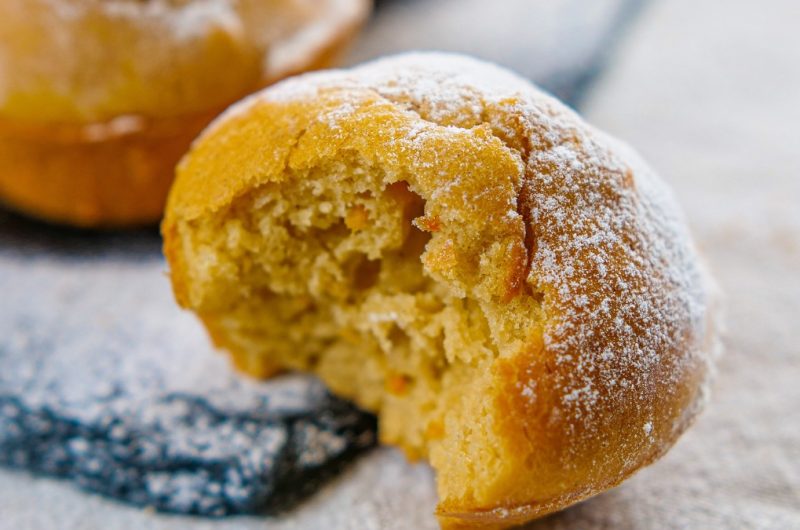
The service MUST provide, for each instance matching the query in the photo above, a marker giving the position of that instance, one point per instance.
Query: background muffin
(99, 98)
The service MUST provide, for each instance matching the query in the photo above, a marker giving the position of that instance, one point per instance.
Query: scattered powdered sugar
(295, 33)
(196, 18)
(378, 317)
(184, 20)
(528, 390)
(442, 80)
(105, 381)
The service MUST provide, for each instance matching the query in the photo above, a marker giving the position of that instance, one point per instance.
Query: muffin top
(557, 270)
(77, 61)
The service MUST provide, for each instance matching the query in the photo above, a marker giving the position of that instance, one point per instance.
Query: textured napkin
(104, 381)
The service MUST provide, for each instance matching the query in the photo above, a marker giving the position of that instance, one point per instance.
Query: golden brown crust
(66, 174)
(555, 217)
(91, 138)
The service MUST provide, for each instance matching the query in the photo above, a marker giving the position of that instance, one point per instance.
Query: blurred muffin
(100, 98)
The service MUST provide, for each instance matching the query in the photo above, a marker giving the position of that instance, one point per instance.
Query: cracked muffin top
(514, 292)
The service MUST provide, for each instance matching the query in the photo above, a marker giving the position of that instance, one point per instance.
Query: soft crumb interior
(322, 272)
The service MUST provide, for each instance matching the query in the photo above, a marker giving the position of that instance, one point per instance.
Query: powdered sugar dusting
(104, 381)
(626, 294)
(184, 20)
(145, 44)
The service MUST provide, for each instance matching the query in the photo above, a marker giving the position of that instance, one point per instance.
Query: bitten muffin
(99, 99)
(514, 293)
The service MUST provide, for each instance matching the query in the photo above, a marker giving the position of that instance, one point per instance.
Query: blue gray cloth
(104, 381)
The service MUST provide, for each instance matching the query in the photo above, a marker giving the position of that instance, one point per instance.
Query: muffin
(100, 98)
(513, 292)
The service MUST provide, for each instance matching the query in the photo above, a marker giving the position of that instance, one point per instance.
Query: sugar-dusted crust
(559, 232)
(100, 98)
